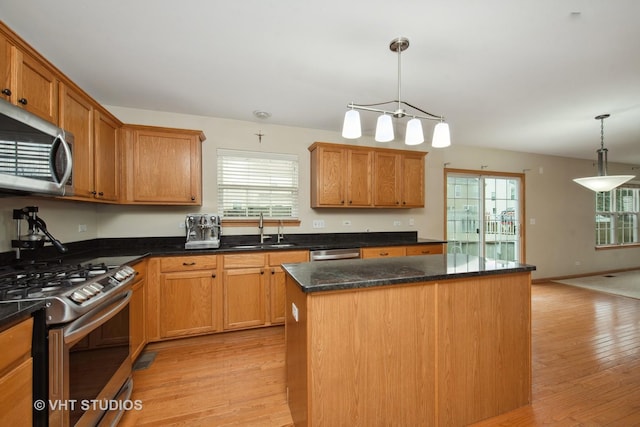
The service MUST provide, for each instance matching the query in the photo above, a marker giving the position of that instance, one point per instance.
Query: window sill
(250, 222)
(626, 245)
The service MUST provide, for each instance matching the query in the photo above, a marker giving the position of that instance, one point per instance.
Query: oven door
(90, 366)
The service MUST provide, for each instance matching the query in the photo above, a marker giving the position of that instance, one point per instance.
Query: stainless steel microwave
(35, 155)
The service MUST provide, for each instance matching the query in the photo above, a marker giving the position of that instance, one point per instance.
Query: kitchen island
(420, 341)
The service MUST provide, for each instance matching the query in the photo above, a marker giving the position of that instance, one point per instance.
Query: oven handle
(82, 326)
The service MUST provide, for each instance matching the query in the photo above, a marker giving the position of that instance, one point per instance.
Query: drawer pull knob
(23, 101)
(188, 264)
(6, 91)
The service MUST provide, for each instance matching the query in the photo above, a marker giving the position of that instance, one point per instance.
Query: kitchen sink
(264, 246)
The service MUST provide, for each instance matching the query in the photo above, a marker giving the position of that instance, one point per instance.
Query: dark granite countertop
(363, 273)
(15, 312)
(135, 248)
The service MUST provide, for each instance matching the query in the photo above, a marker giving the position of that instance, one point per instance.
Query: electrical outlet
(318, 223)
(412, 221)
(397, 223)
(294, 311)
(82, 228)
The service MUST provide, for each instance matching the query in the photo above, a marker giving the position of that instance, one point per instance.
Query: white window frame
(255, 182)
(617, 217)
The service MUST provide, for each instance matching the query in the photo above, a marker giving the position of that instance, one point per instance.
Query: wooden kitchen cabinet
(76, 116)
(277, 281)
(187, 297)
(162, 166)
(346, 176)
(340, 176)
(398, 179)
(106, 157)
(27, 81)
(244, 290)
(137, 311)
(254, 287)
(431, 249)
(382, 252)
(16, 375)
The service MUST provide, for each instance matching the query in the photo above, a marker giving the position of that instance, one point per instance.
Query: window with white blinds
(250, 183)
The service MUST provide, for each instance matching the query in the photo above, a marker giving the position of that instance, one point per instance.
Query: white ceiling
(527, 75)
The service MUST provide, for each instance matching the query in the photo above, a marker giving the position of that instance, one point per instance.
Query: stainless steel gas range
(82, 366)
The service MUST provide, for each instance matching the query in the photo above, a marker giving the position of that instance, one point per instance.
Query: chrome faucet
(280, 235)
(261, 227)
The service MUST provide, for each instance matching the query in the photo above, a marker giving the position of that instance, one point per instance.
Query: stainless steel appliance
(33, 239)
(86, 338)
(333, 254)
(35, 155)
(203, 231)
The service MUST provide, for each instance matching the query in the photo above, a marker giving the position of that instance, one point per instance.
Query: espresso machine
(203, 231)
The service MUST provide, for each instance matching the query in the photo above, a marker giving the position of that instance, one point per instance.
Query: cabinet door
(16, 407)
(412, 181)
(244, 298)
(278, 295)
(328, 168)
(136, 320)
(105, 157)
(187, 303)
(387, 179)
(76, 116)
(166, 168)
(36, 87)
(5, 68)
(359, 177)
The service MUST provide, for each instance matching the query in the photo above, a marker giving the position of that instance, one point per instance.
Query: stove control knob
(88, 291)
(95, 287)
(120, 276)
(78, 297)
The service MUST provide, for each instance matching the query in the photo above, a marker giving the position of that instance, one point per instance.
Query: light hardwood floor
(586, 370)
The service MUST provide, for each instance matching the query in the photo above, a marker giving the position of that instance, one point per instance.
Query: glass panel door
(483, 216)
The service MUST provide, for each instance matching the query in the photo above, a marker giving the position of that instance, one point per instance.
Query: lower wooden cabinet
(16, 375)
(410, 250)
(382, 252)
(278, 280)
(137, 312)
(183, 297)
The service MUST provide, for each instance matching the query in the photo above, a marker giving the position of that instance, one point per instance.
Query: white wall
(560, 243)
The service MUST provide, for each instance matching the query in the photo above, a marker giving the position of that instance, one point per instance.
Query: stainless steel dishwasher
(333, 254)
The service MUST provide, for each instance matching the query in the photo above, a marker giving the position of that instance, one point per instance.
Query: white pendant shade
(441, 137)
(351, 127)
(603, 183)
(384, 129)
(414, 135)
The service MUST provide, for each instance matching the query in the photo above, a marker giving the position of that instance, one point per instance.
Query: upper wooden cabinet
(106, 158)
(162, 166)
(365, 177)
(340, 176)
(27, 81)
(399, 179)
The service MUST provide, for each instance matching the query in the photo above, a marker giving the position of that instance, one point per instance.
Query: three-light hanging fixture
(602, 181)
(351, 128)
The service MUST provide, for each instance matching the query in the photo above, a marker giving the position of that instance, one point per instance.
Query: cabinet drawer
(380, 252)
(424, 249)
(186, 263)
(15, 343)
(277, 258)
(244, 260)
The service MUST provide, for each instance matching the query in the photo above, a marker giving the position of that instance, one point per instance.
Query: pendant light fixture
(351, 128)
(603, 182)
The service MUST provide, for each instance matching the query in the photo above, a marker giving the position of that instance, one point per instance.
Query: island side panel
(296, 342)
(372, 356)
(484, 342)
